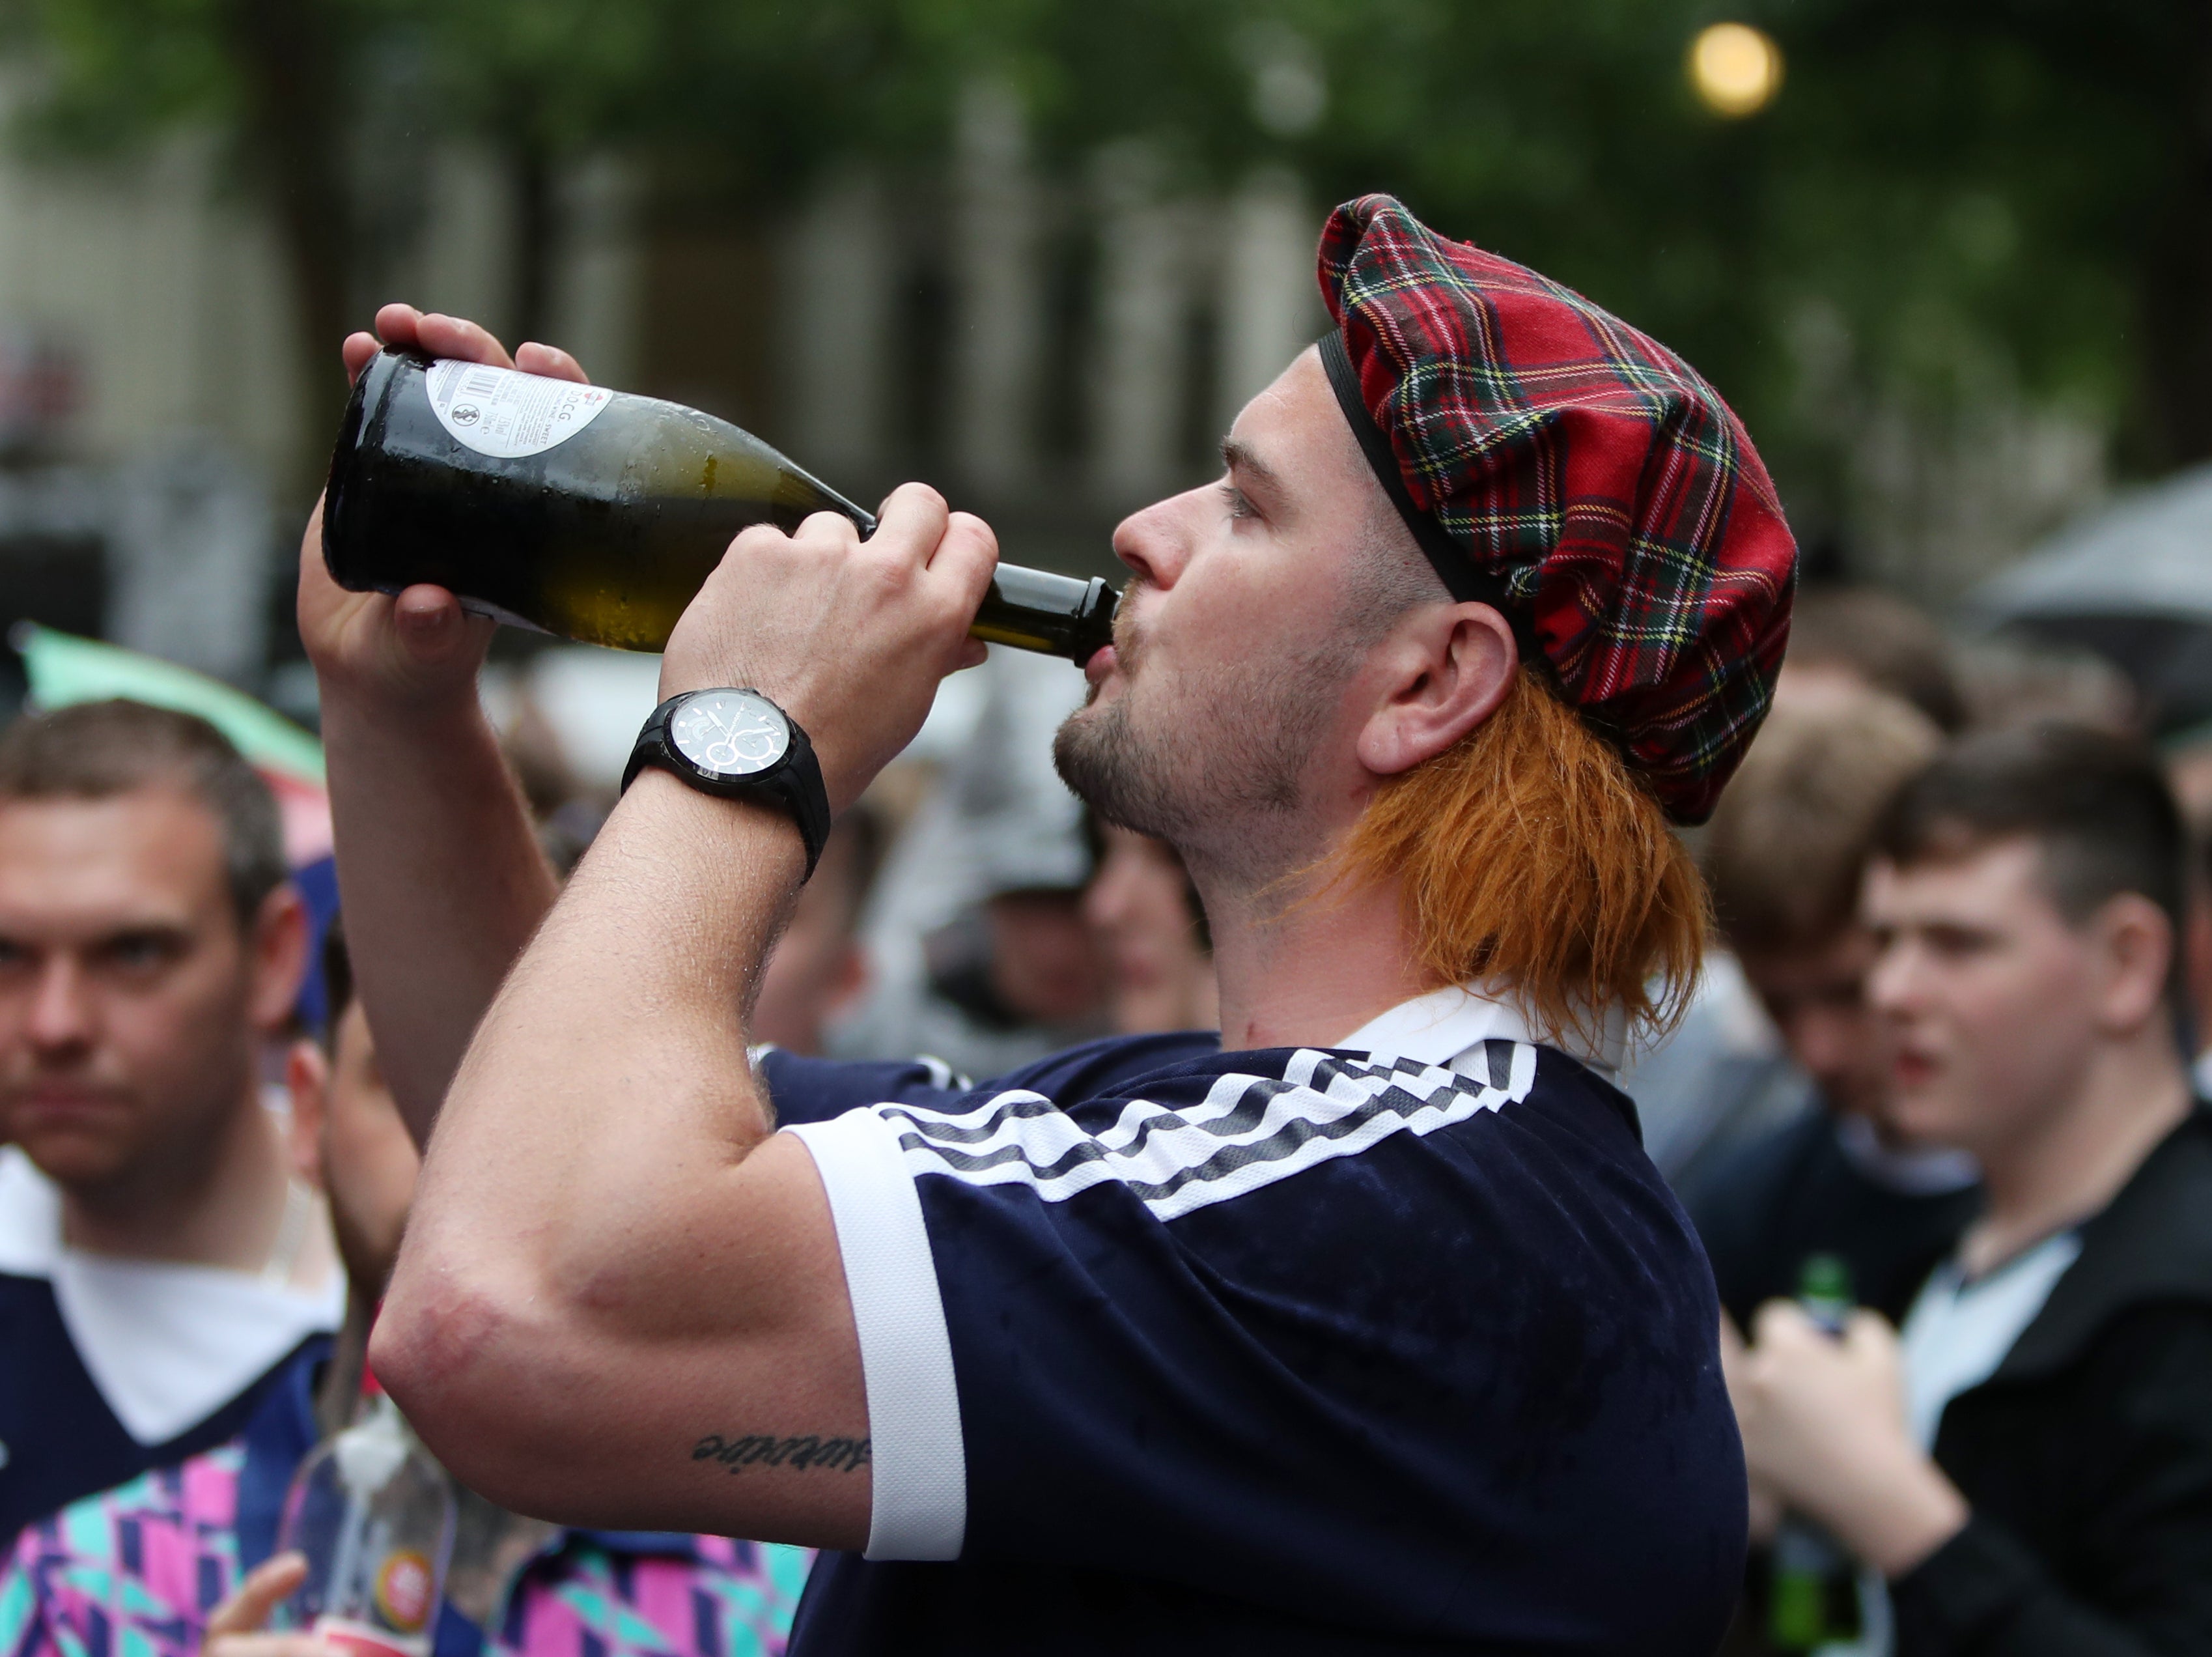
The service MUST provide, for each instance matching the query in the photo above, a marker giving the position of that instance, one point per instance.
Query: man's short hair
(1789, 841)
(1884, 641)
(98, 750)
(2097, 805)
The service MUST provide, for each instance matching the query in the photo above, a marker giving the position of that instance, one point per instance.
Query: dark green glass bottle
(1812, 1590)
(592, 514)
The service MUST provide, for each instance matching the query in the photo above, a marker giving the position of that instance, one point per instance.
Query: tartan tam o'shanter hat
(1556, 463)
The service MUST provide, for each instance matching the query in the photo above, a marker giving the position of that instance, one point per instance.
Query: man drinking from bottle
(1367, 1327)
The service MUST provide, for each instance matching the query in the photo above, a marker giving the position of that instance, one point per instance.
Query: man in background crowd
(1844, 639)
(819, 968)
(141, 1567)
(1152, 930)
(1786, 855)
(2030, 1466)
(978, 951)
(1724, 1078)
(159, 1263)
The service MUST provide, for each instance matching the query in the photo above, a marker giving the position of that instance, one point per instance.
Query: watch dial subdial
(730, 733)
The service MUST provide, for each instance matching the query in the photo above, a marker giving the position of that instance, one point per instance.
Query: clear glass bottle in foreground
(373, 1514)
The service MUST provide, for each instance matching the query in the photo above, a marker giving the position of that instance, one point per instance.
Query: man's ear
(2138, 945)
(277, 941)
(308, 1079)
(1445, 668)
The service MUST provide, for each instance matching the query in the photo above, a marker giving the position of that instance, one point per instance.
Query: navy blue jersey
(1399, 1346)
(109, 1367)
(61, 1440)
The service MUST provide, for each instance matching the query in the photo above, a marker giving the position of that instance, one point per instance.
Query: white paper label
(501, 412)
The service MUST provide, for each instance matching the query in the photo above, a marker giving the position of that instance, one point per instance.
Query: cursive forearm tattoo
(802, 1451)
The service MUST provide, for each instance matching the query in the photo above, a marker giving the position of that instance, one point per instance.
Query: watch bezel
(674, 744)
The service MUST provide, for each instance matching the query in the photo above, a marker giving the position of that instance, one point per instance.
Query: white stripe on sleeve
(919, 1461)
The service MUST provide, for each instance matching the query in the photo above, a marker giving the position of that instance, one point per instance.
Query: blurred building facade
(1049, 353)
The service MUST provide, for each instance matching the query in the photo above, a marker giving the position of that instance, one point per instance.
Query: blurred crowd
(1937, 1069)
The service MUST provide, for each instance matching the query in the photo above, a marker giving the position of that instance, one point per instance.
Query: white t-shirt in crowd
(1960, 1329)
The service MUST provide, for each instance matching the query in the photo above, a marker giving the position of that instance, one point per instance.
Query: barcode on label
(482, 383)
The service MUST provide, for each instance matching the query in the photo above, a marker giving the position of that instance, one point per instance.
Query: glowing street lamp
(1735, 69)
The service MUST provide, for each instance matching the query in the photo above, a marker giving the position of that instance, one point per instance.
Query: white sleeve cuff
(919, 1461)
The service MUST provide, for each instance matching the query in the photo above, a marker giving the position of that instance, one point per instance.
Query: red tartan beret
(1578, 475)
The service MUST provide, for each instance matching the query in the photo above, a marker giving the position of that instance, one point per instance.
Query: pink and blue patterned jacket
(135, 1572)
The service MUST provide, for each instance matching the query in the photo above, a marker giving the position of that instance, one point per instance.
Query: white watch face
(729, 733)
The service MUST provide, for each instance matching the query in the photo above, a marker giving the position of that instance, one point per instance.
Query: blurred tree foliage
(1949, 199)
(1948, 196)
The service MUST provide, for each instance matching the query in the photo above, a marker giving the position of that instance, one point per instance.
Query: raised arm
(613, 1270)
(439, 874)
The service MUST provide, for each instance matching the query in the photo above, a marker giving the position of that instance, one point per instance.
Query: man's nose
(1892, 987)
(1154, 543)
(61, 1013)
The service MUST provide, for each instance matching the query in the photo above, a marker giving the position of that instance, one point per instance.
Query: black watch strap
(793, 783)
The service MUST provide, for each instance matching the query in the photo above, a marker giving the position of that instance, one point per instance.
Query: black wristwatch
(737, 745)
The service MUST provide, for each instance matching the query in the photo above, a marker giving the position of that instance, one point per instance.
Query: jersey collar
(1441, 1027)
(167, 1344)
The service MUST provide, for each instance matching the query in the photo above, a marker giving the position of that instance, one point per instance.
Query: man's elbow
(462, 1359)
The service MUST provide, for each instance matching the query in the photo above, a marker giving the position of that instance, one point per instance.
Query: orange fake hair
(1530, 857)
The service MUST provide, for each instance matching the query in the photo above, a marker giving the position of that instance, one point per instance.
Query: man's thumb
(267, 1585)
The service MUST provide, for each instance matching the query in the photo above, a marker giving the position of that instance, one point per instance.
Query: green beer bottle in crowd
(592, 514)
(1813, 1594)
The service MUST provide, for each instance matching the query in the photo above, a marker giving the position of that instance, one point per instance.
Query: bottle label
(404, 1583)
(500, 412)
(356, 1639)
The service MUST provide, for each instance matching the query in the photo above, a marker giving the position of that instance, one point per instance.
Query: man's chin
(74, 1158)
(1925, 1119)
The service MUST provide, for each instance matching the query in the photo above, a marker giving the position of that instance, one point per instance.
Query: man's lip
(1102, 662)
(61, 1101)
(1911, 1069)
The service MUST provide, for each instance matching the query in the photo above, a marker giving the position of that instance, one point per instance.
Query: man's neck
(222, 1207)
(2069, 1165)
(1302, 965)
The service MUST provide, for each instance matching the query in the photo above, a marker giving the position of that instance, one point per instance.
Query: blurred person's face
(1817, 999)
(1819, 684)
(817, 968)
(348, 1138)
(1138, 904)
(131, 1001)
(1044, 963)
(1225, 683)
(1997, 1004)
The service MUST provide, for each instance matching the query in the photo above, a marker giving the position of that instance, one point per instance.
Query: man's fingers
(266, 1586)
(912, 521)
(1784, 1320)
(395, 325)
(550, 360)
(456, 337)
(430, 623)
(1872, 1343)
(266, 1645)
(966, 555)
(359, 350)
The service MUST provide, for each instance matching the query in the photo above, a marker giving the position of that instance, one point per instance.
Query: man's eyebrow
(1237, 456)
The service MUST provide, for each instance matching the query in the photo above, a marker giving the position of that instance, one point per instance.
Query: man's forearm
(605, 1214)
(442, 883)
(618, 1045)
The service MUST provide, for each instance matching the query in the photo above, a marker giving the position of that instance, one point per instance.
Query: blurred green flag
(63, 668)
